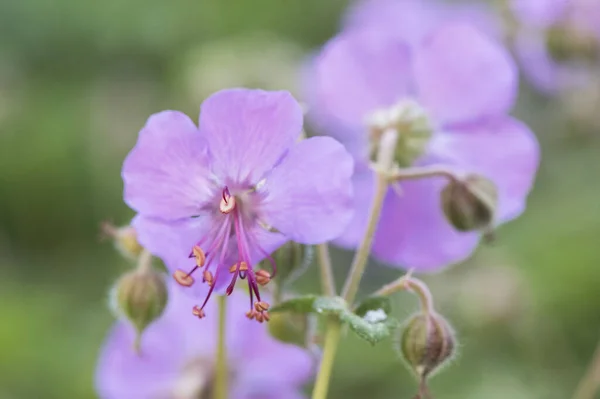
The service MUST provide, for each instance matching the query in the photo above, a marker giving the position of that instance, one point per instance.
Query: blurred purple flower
(412, 20)
(232, 190)
(177, 354)
(464, 84)
(576, 26)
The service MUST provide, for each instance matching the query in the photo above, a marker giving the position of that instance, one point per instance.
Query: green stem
(385, 163)
(590, 383)
(420, 172)
(144, 262)
(332, 339)
(222, 371)
(409, 283)
(327, 279)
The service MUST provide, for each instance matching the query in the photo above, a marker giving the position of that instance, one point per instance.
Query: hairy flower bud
(124, 238)
(292, 260)
(141, 297)
(289, 327)
(426, 343)
(470, 203)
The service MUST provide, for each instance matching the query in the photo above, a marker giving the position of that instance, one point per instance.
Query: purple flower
(457, 85)
(557, 42)
(177, 355)
(412, 20)
(232, 190)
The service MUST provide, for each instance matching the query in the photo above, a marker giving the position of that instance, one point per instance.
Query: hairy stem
(144, 262)
(409, 283)
(590, 382)
(332, 339)
(385, 163)
(222, 371)
(327, 279)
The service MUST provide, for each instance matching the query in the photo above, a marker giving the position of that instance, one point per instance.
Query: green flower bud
(292, 260)
(124, 239)
(426, 343)
(141, 297)
(572, 43)
(289, 327)
(470, 203)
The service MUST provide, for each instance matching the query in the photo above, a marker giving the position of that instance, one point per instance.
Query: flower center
(570, 42)
(413, 125)
(215, 249)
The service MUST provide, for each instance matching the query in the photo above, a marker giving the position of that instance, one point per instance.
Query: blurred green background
(78, 80)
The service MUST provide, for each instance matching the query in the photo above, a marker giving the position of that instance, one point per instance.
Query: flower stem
(144, 262)
(420, 172)
(409, 283)
(385, 162)
(590, 383)
(332, 339)
(221, 368)
(327, 279)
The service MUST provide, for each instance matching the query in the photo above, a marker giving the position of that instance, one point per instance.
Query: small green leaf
(301, 304)
(370, 330)
(330, 305)
(374, 303)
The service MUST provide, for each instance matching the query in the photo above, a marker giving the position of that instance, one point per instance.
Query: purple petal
(410, 20)
(504, 150)
(414, 233)
(539, 13)
(357, 73)
(123, 374)
(166, 174)
(248, 131)
(363, 188)
(309, 195)
(462, 75)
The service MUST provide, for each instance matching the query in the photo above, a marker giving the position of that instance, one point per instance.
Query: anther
(227, 204)
(183, 278)
(266, 316)
(243, 267)
(259, 317)
(198, 312)
(250, 314)
(263, 277)
(208, 277)
(199, 255)
(261, 306)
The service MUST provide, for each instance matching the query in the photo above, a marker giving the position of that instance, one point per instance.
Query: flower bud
(141, 297)
(427, 342)
(470, 203)
(292, 260)
(289, 327)
(124, 238)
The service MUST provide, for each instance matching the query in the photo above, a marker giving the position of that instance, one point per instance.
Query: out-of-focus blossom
(413, 20)
(558, 42)
(449, 95)
(234, 189)
(256, 60)
(176, 359)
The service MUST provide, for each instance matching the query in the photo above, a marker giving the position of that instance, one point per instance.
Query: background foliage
(77, 81)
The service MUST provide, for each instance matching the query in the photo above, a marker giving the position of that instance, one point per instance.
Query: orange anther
(199, 255)
(261, 306)
(198, 312)
(183, 278)
(263, 277)
(208, 277)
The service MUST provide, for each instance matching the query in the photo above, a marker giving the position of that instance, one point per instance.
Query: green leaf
(370, 330)
(301, 304)
(372, 322)
(374, 303)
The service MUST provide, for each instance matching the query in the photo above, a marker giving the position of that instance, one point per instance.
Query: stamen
(251, 314)
(208, 277)
(262, 277)
(227, 204)
(198, 312)
(266, 316)
(183, 278)
(200, 256)
(259, 317)
(243, 267)
(261, 306)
